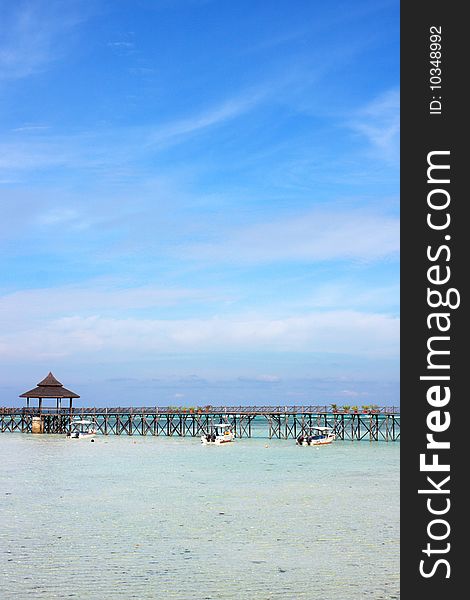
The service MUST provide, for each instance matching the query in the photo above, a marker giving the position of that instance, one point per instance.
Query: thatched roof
(50, 380)
(49, 387)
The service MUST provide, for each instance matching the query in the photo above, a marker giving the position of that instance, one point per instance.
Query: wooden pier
(286, 422)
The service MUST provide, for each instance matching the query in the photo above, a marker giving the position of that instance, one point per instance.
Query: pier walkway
(281, 422)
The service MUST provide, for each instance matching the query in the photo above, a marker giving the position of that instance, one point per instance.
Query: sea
(169, 518)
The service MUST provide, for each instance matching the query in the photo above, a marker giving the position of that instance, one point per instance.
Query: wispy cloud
(315, 236)
(121, 44)
(379, 122)
(96, 298)
(58, 216)
(30, 128)
(354, 394)
(343, 332)
(263, 379)
(34, 35)
(216, 115)
(124, 45)
(106, 147)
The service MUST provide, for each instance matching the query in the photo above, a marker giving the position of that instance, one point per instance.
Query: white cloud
(353, 393)
(344, 332)
(29, 306)
(379, 122)
(58, 216)
(359, 293)
(39, 153)
(315, 236)
(34, 148)
(226, 111)
(34, 34)
(268, 378)
(30, 128)
(121, 44)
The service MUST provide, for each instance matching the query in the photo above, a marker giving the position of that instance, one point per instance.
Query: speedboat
(82, 428)
(316, 436)
(220, 434)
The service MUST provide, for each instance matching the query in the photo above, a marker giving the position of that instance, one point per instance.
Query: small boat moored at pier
(82, 428)
(316, 436)
(220, 434)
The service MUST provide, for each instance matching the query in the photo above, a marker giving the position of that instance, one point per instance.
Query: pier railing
(214, 410)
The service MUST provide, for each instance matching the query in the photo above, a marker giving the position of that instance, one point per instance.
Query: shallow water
(150, 518)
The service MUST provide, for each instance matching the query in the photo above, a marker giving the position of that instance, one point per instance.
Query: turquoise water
(150, 518)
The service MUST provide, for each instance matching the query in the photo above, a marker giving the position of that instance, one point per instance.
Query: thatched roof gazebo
(49, 387)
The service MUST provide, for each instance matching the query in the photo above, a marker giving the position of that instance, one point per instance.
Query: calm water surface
(158, 518)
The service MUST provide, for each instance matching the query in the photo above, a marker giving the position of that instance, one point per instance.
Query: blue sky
(200, 200)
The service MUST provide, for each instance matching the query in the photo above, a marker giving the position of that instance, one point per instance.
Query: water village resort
(59, 416)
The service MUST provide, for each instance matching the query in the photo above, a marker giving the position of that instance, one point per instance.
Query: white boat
(82, 428)
(316, 436)
(220, 434)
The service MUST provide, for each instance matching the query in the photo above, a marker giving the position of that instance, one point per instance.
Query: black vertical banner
(433, 299)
